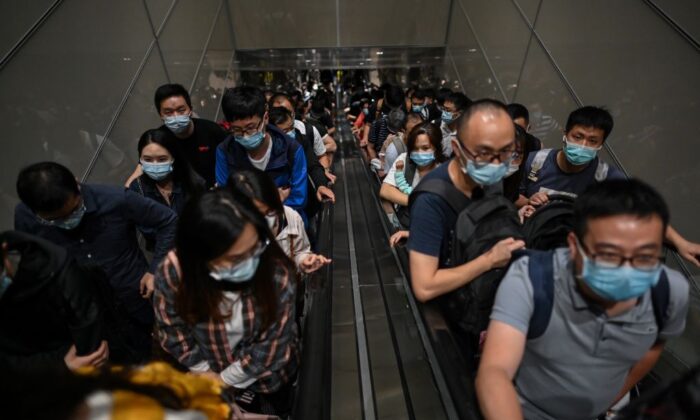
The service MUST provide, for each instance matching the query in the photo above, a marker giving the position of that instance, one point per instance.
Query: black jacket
(50, 305)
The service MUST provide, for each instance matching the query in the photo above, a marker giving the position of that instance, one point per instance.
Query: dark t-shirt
(552, 180)
(432, 219)
(200, 148)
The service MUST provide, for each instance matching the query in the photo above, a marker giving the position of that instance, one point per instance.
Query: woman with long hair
(225, 299)
(284, 222)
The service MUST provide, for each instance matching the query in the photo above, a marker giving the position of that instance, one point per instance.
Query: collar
(149, 185)
(89, 199)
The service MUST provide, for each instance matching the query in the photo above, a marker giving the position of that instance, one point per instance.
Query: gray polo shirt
(576, 368)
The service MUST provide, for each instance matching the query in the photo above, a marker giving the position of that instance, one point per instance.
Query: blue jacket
(287, 165)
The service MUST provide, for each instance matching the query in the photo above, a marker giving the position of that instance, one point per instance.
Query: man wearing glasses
(97, 226)
(612, 306)
(253, 143)
(483, 150)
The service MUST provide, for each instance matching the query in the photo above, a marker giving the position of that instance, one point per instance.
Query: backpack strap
(399, 144)
(538, 163)
(541, 273)
(454, 198)
(601, 171)
(660, 298)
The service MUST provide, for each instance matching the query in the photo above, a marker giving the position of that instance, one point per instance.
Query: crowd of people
(198, 259)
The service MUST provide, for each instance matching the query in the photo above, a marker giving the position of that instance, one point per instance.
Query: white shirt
(233, 375)
(447, 136)
(391, 176)
(319, 147)
(262, 163)
(294, 232)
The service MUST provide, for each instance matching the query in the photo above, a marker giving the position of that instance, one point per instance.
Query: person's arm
(49, 360)
(137, 173)
(640, 369)
(319, 147)
(172, 331)
(503, 351)
(316, 171)
(83, 308)
(221, 168)
(392, 194)
(297, 193)
(522, 201)
(688, 250)
(151, 214)
(268, 352)
(429, 282)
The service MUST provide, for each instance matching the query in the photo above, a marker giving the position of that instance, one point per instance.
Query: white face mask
(271, 221)
(512, 168)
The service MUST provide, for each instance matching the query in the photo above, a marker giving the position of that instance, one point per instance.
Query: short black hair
(168, 91)
(319, 103)
(279, 95)
(459, 100)
(279, 114)
(442, 94)
(46, 186)
(418, 94)
(480, 106)
(591, 116)
(243, 102)
(518, 111)
(618, 197)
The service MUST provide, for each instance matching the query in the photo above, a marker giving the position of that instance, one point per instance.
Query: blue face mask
(617, 283)
(69, 222)
(157, 171)
(485, 173)
(239, 273)
(422, 158)
(417, 108)
(178, 124)
(251, 142)
(5, 282)
(365, 111)
(578, 155)
(512, 169)
(292, 133)
(447, 117)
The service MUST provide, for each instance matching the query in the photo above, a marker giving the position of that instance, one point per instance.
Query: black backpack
(480, 225)
(550, 224)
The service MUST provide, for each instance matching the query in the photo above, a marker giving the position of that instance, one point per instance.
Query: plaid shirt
(271, 356)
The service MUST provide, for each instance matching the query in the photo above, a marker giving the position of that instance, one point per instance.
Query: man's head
(245, 109)
(393, 97)
(52, 193)
(412, 120)
(442, 94)
(281, 117)
(617, 241)
(281, 99)
(418, 101)
(485, 141)
(396, 120)
(174, 106)
(586, 131)
(520, 115)
(454, 106)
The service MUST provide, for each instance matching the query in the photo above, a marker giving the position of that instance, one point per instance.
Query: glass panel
(209, 86)
(184, 37)
(529, 8)
(284, 23)
(385, 23)
(542, 92)
(504, 36)
(158, 9)
(649, 82)
(686, 13)
(61, 90)
(119, 156)
(476, 78)
(23, 15)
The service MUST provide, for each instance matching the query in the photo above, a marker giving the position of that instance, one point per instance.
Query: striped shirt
(271, 356)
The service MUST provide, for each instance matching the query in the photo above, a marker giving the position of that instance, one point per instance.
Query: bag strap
(409, 171)
(601, 171)
(454, 198)
(660, 298)
(138, 180)
(538, 162)
(399, 144)
(541, 273)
